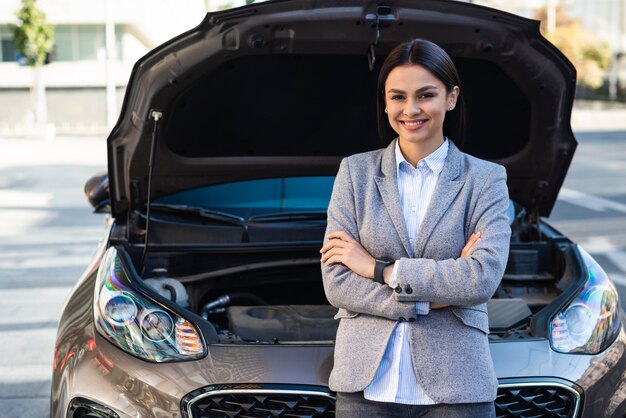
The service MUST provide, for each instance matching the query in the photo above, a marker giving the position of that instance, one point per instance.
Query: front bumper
(132, 387)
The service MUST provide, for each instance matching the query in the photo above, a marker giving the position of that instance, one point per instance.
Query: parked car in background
(205, 297)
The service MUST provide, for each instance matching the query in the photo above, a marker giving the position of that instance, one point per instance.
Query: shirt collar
(434, 161)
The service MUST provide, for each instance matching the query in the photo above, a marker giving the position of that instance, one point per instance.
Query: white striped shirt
(395, 380)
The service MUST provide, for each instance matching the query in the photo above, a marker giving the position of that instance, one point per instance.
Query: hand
(470, 244)
(465, 252)
(342, 248)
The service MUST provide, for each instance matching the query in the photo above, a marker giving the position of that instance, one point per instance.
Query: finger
(470, 245)
(331, 253)
(469, 248)
(326, 255)
(342, 235)
(334, 234)
(473, 237)
(326, 247)
(334, 243)
(473, 243)
(333, 260)
(472, 240)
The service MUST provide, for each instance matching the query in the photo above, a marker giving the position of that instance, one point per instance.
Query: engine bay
(277, 297)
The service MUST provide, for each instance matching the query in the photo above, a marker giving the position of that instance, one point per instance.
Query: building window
(8, 51)
(83, 42)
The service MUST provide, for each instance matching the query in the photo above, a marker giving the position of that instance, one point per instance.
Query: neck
(413, 153)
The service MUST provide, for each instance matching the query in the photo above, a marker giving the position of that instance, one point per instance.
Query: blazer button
(402, 319)
(408, 289)
(411, 319)
(398, 289)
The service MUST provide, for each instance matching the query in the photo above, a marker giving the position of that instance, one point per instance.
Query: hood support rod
(155, 115)
(381, 19)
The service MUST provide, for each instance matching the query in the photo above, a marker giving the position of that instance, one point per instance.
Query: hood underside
(284, 88)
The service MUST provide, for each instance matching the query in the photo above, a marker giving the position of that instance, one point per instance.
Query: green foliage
(33, 36)
(590, 55)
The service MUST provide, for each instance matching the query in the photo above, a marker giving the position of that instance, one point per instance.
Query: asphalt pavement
(48, 235)
(591, 208)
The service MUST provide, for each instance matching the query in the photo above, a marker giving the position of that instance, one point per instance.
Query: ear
(453, 95)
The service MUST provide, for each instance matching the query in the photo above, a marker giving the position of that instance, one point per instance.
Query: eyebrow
(421, 89)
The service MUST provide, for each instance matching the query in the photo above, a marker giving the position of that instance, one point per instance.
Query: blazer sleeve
(344, 288)
(469, 280)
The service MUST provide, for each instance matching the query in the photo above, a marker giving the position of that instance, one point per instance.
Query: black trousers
(354, 405)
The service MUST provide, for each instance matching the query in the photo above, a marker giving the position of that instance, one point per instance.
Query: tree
(34, 39)
(590, 55)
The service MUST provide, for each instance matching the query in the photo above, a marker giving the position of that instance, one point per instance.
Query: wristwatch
(378, 270)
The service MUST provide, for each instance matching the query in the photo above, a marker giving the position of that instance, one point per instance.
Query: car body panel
(531, 108)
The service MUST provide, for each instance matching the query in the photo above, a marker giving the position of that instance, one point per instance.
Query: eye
(397, 97)
(426, 96)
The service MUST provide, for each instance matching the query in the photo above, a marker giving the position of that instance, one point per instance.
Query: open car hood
(284, 88)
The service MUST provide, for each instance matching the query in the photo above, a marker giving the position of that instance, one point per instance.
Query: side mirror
(97, 192)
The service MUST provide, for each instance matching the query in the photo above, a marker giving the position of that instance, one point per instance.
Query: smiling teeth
(419, 122)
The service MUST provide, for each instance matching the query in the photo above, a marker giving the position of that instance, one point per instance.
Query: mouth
(413, 124)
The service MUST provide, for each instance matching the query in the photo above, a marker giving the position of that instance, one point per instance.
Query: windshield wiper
(214, 215)
(289, 217)
(231, 219)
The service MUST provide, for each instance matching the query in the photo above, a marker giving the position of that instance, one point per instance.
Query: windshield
(258, 197)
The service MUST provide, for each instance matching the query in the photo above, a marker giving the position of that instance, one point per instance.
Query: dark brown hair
(439, 63)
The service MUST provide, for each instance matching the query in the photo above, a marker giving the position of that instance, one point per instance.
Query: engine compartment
(275, 295)
(286, 323)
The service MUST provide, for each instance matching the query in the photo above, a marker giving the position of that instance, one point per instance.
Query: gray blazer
(449, 346)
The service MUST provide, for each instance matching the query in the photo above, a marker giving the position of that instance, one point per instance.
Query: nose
(412, 107)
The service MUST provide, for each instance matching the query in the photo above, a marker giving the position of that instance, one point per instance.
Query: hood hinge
(383, 18)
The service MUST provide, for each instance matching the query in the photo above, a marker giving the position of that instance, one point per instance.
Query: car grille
(262, 402)
(538, 400)
(523, 400)
(259, 405)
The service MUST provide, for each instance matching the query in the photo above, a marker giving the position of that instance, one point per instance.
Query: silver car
(205, 298)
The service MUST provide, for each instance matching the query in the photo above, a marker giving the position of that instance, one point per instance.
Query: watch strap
(378, 270)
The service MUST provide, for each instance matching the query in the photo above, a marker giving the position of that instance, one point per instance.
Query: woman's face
(417, 103)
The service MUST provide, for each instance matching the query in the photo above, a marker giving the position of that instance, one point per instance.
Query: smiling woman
(451, 209)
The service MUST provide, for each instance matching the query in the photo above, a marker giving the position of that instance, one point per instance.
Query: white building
(84, 89)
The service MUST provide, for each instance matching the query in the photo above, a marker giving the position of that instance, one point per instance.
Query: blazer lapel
(387, 184)
(448, 186)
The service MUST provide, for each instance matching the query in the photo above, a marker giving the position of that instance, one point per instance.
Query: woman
(416, 244)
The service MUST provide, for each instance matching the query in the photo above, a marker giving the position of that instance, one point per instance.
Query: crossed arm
(342, 248)
(348, 268)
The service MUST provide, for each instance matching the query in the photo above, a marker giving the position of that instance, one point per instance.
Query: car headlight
(136, 323)
(590, 322)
